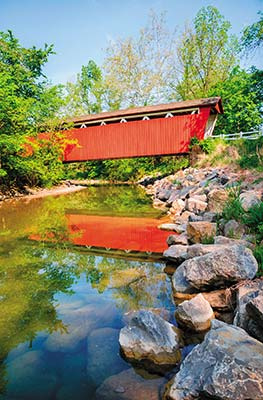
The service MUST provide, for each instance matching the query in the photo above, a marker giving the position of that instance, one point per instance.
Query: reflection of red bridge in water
(143, 131)
(112, 233)
(117, 233)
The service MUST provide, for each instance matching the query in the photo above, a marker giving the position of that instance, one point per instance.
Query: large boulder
(148, 337)
(200, 230)
(249, 312)
(217, 199)
(228, 365)
(214, 270)
(195, 314)
(223, 240)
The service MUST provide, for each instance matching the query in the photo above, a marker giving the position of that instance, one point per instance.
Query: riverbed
(71, 266)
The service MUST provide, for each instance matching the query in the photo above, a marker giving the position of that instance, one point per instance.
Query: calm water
(62, 306)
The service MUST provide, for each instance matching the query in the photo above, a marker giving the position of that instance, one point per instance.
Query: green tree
(242, 95)
(206, 54)
(85, 96)
(252, 37)
(138, 70)
(27, 102)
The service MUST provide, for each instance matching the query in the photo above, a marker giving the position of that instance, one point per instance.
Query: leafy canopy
(26, 103)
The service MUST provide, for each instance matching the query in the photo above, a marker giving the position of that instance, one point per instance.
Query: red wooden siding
(158, 136)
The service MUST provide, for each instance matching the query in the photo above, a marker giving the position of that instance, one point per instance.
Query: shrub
(258, 253)
(233, 208)
(253, 218)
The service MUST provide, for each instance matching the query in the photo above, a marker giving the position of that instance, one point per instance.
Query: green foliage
(208, 145)
(208, 240)
(140, 70)
(252, 37)
(251, 152)
(86, 95)
(233, 208)
(27, 102)
(258, 253)
(253, 218)
(242, 96)
(206, 54)
(130, 169)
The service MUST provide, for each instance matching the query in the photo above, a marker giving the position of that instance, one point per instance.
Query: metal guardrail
(250, 135)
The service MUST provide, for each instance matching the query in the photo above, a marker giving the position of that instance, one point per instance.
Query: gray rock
(177, 206)
(186, 191)
(209, 216)
(130, 386)
(223, 240)
(224, 179)
(198, 249)
(149, 337)
(217, 199)
(176, 253)
(233, 229)
(193, 204)
(195, 314)
(174, 196)
(198, 231)
(195, 218)
(248, 312)
(164, 195)
(228, 365)
(168, 227)
(215, 270)
(159, 204)
(249, 199)
(177, 239)
(186, 215)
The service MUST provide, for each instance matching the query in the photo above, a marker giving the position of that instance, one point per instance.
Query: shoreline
(43, 192)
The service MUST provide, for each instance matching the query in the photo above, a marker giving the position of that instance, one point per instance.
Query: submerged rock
(195, 314)
(28, 377)
(214, 270)
(128, 385)
(228, 365)
(149, 337)
(103, 358)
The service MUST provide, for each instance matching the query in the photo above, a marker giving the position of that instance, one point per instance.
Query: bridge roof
(213, 102)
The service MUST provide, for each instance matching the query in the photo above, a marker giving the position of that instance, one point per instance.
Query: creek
(71, 266)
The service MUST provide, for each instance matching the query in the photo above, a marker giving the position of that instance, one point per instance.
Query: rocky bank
(219, 299)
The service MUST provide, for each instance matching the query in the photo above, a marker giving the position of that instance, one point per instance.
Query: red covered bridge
(164, 129)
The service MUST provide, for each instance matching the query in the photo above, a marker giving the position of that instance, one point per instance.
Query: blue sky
(80, 29)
